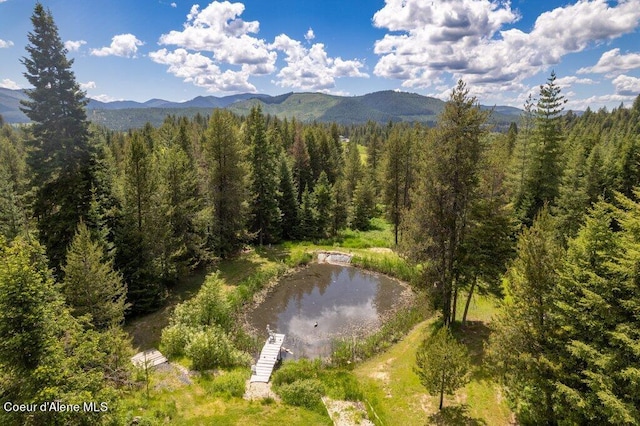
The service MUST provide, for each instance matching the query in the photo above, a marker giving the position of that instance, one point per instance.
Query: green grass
(394, 393)
(172, 402)
(386, 382)
(362, 150)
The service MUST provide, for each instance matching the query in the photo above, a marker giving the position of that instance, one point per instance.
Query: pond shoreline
(404, 298)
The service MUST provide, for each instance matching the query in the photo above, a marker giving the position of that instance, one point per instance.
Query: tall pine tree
(91, 286)
(522, 345)
(544, 172)
(60, 156)
(227, 184)
(447, 187)
(264, 212)
(596, 312)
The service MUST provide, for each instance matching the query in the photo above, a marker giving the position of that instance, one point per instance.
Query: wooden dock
(268, 357)
(148, 359)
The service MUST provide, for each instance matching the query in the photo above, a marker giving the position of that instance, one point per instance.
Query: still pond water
(323, 302)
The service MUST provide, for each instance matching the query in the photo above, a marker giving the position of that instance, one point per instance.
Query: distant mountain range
(382, 107)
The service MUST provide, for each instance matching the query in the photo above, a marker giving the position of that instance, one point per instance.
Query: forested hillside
(98, 225)
(380, 107)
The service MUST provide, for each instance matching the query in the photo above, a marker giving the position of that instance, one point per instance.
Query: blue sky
(176, 49)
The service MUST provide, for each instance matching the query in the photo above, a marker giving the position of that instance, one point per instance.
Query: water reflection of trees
(309, 293)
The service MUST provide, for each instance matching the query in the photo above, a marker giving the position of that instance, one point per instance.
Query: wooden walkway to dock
(148, 359)
(268, 357)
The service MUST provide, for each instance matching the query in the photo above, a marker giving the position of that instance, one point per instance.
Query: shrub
(389, 265)
(298, 258)
(174, 340)
(303, 393)
(212, 348)
(267, 401)
(210, 306)
(341, 385)
(230, 384)
(291, 371)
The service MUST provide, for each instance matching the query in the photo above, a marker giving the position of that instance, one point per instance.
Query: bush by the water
(390, 265)
(230, 384)
(174, 340)
(210, 306)
(212, 348)
(303, 393)
(200, 329)
(341, 385)
(291, 371)
(254, 283)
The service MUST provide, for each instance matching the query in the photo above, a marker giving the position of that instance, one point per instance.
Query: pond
(323, 302)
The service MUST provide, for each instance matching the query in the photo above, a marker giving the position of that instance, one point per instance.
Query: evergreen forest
(98, 228)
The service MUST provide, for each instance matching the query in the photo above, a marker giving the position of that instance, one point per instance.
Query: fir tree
(134, 236)
(396, 163)
(11, 215)
(301, 168)
(308, 216)
(324, 204)
(438, 220)
(91, 286)
(288, 202)
(353, 173)
(488, 244)
(442, 364)
(340, 212)
(45, 355)
(60, 156)
(543, 175)
(522, 345)
(596, 311)
(177, 205)
(227, 183)
(264, 213)
(363, 205)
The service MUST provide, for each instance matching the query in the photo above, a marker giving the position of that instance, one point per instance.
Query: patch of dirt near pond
(347, 413)
(258, 391)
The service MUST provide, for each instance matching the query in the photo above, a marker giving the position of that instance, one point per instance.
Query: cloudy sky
(177, 49)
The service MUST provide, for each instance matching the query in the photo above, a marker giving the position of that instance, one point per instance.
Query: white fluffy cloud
(612, 62)
(174, 5)
(202, 71)
(218, 30)
(312, 68)
(5, 43)
(88, 85)
(566, 82)
(104, 98)
(310, 35)
(9, 84)
(626, 85)
(220, 51)
(598, 101)
(469, 38)
(74, 45)
(124, 45)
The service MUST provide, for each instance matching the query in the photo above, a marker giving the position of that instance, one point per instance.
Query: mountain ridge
(381, 106)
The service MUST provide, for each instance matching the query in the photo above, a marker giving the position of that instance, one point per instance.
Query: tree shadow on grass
(454, 416)
(274, 253)
(474, 335)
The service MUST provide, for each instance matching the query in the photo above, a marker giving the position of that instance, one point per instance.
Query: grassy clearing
(386, 383)
(204, 402)
(394, 394)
